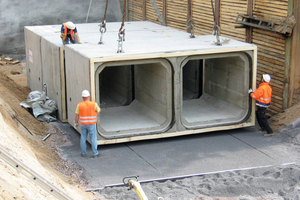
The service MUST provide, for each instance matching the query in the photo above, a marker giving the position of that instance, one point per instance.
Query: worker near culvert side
(86, 112)
(69, 33)
(263, 96)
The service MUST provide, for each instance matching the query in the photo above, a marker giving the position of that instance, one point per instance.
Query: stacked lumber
(229, 9)
(271, 48)
(203, 17)
(135, 10)
(177, 14)
(150, 12)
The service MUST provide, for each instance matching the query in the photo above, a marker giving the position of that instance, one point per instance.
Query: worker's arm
(258, 93)
(62, 32)
(97, 108)
(78, 39)
(76, 115)
(76, 119)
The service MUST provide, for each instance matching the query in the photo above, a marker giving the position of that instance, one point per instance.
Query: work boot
(269, 134)
(96, 156)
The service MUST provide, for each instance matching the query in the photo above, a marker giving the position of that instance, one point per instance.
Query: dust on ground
(22, 135)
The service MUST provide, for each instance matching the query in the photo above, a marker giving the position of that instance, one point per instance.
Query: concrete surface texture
(15, 14)
(218, 164)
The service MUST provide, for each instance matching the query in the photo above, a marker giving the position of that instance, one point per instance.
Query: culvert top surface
(148, 38)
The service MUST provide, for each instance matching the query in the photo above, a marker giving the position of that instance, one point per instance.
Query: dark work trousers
(262, 120)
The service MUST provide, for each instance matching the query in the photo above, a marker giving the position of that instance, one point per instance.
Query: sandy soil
(22, 136)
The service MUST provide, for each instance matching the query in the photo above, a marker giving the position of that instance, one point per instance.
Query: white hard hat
(70, 25)
(85, 93)
(267, 77)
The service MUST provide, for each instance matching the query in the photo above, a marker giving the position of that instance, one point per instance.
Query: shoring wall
(273, 49)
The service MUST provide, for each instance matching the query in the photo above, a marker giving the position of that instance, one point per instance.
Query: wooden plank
(275, 72)
(261, 12)
(281, 9)
(270, 65)
(271, 60)
(265, 32)
(268, 44)
(279, 41)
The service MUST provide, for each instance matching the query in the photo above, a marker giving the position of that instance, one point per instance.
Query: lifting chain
(121, 33)
(216, 28)
(190, 26)
(103, 25)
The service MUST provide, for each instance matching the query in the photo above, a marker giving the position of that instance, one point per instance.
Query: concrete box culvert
(215, 90)
(150, 90)
(135, 97)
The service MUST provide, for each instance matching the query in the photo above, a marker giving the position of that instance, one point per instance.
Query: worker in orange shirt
(263, 99)
(69, 33)
(86, 112)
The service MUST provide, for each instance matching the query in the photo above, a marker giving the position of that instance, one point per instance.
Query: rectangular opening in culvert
(135, 97)
(215, 90)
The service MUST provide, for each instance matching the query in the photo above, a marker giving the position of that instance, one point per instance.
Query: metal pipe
(45, 138)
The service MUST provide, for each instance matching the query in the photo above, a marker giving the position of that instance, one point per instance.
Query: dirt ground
(22, 136)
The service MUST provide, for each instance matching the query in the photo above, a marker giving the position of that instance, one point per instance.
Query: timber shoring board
(150, 12)
(228, 13)
(203, 17)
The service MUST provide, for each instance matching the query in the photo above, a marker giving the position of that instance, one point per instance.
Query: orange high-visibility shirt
(263, 95)
(66, 32)
(87, 113)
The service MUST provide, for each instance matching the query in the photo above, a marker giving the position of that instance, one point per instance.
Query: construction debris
(284, 26)
(8, 59)
(15, 62)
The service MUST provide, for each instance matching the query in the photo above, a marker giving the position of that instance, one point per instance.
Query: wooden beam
(249, 29)
(217, 12)
(165, 11)
(290, 66)
(144, 10)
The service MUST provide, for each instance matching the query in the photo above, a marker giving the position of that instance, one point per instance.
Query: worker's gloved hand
(79, 42)
(75, 125)
(250, 90)
(63, 35)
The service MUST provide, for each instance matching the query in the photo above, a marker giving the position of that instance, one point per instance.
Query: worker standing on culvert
(69, 33)
(86, 112)
(263, 99)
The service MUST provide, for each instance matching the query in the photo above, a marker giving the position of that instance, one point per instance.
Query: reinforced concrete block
(164, 84)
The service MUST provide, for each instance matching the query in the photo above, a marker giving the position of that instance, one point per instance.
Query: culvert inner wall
(135, 97)
(215, 90)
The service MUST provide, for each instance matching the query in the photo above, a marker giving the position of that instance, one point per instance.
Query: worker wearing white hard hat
(86, 112)
(263, 96)
(69, 33)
